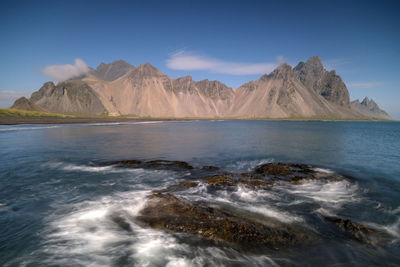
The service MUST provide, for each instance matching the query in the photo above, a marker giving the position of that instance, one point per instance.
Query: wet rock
(354, 230)
(122, 223)
(169, 163)
(152, 164)
(231, 179)
(283, 169)
(210, 168)
(131, 163)
(226, 179)
(167, 212)
(188, 184)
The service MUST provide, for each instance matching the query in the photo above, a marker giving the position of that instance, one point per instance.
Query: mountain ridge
(306, 91)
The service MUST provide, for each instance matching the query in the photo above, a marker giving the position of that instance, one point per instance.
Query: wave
(328, 194)
(248, 165)
(89, 234)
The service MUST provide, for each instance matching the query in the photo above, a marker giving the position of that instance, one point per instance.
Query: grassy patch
(8, 112)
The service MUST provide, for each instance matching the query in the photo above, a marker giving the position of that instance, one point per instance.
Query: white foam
(28, 128)
(248, 165)
(332, 194)
(323, 170)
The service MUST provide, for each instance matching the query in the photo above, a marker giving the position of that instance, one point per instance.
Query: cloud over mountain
(64, 72)
(183, 60)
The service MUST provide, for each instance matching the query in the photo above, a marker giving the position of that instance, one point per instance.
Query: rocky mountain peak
(112, 71)
(369, 108)
(314, 62)
(283, 71)
(327, 84)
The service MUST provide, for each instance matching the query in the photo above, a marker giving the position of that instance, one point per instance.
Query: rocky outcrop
(25, 104)
(325, 83)
(69, 97)
(306, 91)
(370, 109)
(170, 209)
(166, 212)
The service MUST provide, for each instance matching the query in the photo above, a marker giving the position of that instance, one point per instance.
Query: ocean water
(56, 206)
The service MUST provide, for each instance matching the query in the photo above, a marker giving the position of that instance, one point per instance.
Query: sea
(57, 202)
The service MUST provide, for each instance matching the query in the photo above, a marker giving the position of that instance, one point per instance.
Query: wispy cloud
(363, 85)
(63, 72)
(183, 60)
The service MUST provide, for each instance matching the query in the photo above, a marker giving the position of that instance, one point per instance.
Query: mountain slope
(25, 104)
(370, 108)
(72, 96)
(281, 94)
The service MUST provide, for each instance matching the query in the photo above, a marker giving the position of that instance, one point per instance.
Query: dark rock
(130, 163)
(354, 230)
(168, 163)
(210, 168)
(167, 212)
(226, 179)
(122, 223)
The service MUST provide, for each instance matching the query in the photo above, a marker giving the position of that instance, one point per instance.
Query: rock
(152, 164)
(130, 163)
(210, 168)
(168, 163)
(231, 179)
(354, 230)
(121, 223)
(167, 212)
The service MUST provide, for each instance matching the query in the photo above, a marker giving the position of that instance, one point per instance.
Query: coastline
(11, 120)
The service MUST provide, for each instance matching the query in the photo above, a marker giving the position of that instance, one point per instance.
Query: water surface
(56, 208)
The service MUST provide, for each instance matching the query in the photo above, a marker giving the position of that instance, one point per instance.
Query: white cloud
(187, 61)
(363, 85)
(63, 72)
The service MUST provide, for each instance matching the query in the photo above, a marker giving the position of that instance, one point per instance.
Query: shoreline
(17, 120)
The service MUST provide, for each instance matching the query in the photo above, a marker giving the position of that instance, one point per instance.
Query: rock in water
(167, 212)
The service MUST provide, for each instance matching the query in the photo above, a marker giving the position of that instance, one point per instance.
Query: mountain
(305, 91)
(281, 94)
(370, 109)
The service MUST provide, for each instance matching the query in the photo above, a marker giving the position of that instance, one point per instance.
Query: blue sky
(229, 41)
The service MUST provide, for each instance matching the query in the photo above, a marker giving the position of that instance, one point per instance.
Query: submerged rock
(354, 230)
(151, 164)
(231, 179)
(166, 211)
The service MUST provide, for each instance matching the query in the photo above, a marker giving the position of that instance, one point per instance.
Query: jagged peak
(366, 101)
(119, 62)
(280, 72)
(314, 61)
(48, 85)
(187, 77)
